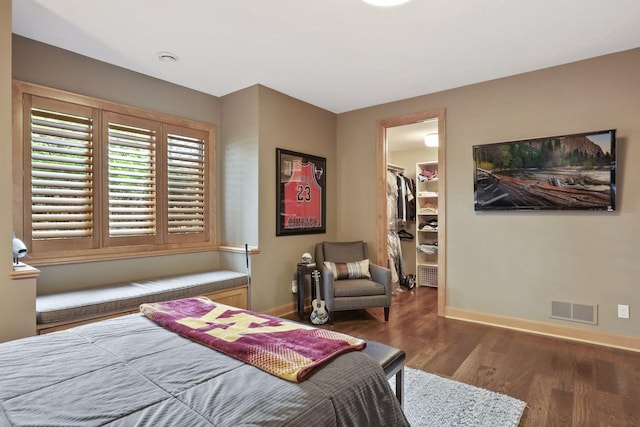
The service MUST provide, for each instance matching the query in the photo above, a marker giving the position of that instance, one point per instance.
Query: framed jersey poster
(301, 193)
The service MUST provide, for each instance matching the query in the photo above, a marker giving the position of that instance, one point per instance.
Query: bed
(130, 371)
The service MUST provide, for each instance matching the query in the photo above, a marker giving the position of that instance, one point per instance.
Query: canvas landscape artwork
(562, 172)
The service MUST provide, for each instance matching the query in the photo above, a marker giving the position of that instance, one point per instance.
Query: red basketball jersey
(303, 198)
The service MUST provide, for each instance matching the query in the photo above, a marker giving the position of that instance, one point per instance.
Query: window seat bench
(68, 309)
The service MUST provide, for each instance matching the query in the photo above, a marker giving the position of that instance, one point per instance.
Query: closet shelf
(427, 224)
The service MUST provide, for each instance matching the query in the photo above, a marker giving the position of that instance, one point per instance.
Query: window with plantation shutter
(101, 180)
(131, 175)
(186, 182)
(61, 173)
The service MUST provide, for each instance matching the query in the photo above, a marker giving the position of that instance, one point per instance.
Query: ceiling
(340, 55)
(410, 137)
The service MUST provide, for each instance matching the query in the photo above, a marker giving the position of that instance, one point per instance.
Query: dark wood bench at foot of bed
(392, 361)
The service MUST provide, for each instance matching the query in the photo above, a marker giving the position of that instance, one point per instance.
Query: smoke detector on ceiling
(168, 57)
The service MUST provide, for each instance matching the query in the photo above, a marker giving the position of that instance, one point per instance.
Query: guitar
(319, 314)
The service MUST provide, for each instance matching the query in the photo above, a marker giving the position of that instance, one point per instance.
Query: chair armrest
(326, 281)
(382, 275)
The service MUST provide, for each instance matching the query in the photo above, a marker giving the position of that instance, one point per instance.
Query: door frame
(382, 255)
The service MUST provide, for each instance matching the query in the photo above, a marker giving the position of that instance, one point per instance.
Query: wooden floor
(564, 383)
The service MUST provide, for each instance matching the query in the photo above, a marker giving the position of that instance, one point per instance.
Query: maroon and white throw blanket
(283, 348)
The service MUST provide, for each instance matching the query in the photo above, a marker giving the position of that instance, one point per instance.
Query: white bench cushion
(93, 302)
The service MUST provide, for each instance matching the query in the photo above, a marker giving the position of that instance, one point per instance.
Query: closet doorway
(390, 134)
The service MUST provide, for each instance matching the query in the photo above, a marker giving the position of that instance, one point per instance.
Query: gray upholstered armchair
(347, 282)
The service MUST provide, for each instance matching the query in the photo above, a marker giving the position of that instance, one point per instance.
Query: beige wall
(294, 125)
(5, 157)
(16, 296)
(513, 264)
(238, 172)
(43, 64)
(256, 121)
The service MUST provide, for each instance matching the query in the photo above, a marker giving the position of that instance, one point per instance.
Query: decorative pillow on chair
(349, 270)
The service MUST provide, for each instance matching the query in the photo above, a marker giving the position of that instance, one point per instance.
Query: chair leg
(386, 314)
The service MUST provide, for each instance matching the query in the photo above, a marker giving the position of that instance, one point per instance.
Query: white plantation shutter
(186, 182)
(132, 188)
(62, 197)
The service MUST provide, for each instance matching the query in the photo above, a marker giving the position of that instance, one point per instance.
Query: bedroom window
(101, 180)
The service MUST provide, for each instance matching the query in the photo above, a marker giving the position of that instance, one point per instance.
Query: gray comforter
(130, 372)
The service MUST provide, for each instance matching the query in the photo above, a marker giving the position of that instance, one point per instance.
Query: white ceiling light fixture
(431, 140)
(168, 57)
(385, 3)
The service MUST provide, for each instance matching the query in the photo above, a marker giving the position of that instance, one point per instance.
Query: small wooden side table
(302, 271)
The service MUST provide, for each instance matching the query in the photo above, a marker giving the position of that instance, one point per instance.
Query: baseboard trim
(282, 310)
(608, 339)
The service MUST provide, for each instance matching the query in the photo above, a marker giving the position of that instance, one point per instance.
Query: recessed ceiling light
(168, 57)
(385, 3)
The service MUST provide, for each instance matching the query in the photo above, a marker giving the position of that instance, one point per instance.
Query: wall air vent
(583, 313)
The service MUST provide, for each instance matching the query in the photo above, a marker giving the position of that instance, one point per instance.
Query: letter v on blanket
(239, 324)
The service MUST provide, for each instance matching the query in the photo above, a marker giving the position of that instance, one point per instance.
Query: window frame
(101, 246)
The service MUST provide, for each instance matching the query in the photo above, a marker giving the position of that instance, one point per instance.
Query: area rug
(430, 400)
